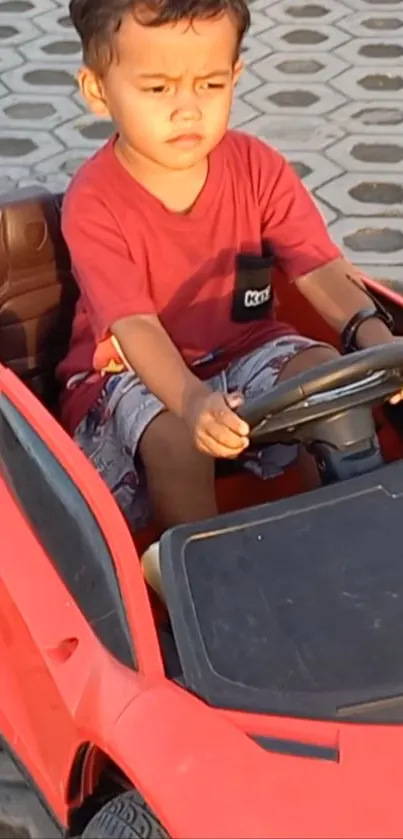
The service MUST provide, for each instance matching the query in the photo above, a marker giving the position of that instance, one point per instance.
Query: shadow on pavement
(13, 830)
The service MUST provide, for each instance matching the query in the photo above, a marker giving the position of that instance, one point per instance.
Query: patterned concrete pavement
(323, 83)
(21, 814)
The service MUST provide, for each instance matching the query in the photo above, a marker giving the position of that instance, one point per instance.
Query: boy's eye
(212, 86)
(161, 88)
(157, 88)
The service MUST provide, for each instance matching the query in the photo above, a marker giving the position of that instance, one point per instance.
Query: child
(175, 228)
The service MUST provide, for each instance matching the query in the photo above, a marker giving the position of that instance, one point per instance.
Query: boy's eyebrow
(211, 74)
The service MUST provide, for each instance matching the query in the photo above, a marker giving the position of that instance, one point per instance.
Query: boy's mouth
(186, 141)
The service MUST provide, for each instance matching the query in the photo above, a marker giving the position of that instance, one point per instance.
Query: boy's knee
(161, 436)
(307, 359)
(166, 443)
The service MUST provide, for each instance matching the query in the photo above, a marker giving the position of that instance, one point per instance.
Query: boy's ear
(238, 67)
(92, 90)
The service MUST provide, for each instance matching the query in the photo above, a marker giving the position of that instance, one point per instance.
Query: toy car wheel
(125, 817)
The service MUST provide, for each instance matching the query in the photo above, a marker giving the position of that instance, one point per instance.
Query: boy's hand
(397, 397)
(215, 428)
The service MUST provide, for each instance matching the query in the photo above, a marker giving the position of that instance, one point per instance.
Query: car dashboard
(295, 607)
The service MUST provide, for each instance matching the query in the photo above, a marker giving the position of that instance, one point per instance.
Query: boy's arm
(149, 351)
(296, 232)
(337, 292)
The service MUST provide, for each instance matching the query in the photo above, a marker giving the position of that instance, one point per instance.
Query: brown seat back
(37, 291)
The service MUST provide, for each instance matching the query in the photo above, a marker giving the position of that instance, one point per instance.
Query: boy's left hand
(397, 397)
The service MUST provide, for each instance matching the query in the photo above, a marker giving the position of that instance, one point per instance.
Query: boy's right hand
(216, 429)
(146, 347)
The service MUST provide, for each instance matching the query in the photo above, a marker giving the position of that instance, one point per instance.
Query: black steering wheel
(366, 377)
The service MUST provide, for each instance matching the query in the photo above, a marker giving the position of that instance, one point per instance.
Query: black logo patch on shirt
(253, 293)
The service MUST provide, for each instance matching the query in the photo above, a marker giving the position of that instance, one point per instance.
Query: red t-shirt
(130, 255)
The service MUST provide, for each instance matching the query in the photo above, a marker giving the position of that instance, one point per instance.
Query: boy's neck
(177, 189)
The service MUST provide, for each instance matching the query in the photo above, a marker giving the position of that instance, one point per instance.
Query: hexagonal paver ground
(21, 815)
(323, 83)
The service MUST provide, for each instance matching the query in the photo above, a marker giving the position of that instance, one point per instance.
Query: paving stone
(9, 58)
(61, 166)
(19, 807)
(241, 114)
(376, 6)
(260, 22)
(261, 7)
(78, 100)
(25, 8)
(287, 133)
(373, 241)
(15, 31)
(294, 12)
(365, 194)
(374, 52)
(302, 38)
(30, 78)
(247, 82)
(18, 110)
(54, 182)
(84, 132)
(17, 146)
(6, 183)
(372, 117)
(48, 48)
(327, 212)
(55, 21)
(371, 82)
(315, 169)
(294, 98)
(282, 67)
(253, 49)
(374, 22)
(363, 153)
(11, 175)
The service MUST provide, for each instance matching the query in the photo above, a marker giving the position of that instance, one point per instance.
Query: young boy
(172, 228)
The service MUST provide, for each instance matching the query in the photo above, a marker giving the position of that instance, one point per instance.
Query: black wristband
(350, 330)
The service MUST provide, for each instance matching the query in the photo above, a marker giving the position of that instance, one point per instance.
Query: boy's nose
(186, 107)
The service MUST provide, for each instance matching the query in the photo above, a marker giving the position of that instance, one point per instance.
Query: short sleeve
(291, 222)
(112, 284)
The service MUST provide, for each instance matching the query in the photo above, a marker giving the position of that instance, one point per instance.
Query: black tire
(125, 817)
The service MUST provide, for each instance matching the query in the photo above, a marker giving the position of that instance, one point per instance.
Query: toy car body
(275, 709)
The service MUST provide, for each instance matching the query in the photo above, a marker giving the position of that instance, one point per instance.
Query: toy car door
(74, 611)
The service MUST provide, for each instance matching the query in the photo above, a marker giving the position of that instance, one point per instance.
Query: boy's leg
(180, 480)
(306, 359)
(147, 458)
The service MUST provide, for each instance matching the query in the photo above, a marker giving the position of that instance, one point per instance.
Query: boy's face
(169, 89)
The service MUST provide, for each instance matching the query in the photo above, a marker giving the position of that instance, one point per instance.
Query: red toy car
(266, 700)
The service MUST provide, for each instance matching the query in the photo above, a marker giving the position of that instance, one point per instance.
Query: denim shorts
(110, 433)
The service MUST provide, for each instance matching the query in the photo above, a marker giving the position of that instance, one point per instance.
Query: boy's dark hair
(98, 21)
